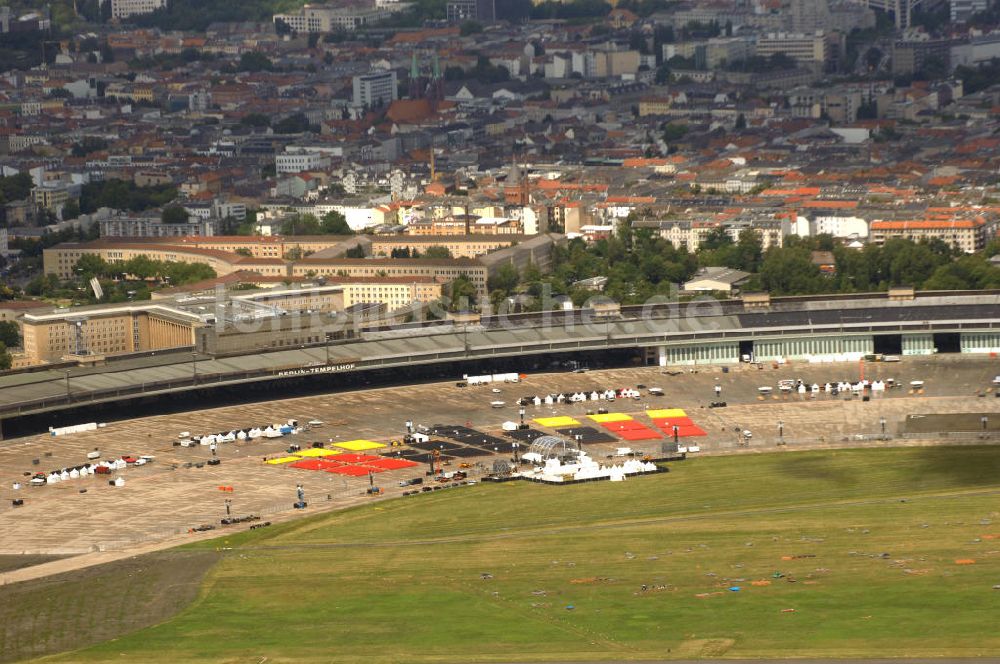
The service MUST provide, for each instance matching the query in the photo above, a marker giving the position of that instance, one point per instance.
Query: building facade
(375, 89)
(967, 235)
(482, 11)
(126, 8)
(124, 226)
(105, 331)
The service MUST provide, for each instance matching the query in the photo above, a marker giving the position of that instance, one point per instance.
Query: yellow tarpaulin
(666, 413)
(601, 418)
(359, 445)
(317, 452)
(555, 422)
(287, 459)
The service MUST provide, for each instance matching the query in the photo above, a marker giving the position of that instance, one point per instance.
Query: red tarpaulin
(354, 471)
(316, 464)
(391, 464)
(624, 425)
(639, 434)
(631, 430)
(685, 428)
(668, 423)
(356, 458)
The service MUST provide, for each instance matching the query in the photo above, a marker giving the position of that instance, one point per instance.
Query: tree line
(124, 195)
(639, 265)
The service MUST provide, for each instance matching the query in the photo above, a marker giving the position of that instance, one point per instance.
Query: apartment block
(968, 235)
(126, 8)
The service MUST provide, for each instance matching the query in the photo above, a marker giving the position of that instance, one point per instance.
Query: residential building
(121, 9)
(968, 235)
(375, 89)
(300, 161)
(963, 10)
(901, 10)
(909, 57)
(324, 18)
(51, 196)
(975, 51)
(123, 225)
(818, 49)
(481, 11)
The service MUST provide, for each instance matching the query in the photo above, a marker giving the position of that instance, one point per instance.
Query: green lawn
(876, 534)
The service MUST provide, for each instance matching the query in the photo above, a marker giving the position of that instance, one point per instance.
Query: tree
(334, 223)
(790, 271)
(88, 145)
(71, 210)
(92, 265)
(505, 280)
(174, 214)
(673, 132)
(462, 293)
(749, 251)
(437, 251)
(5, 359)
(300, 224)
(10, 334)
(15, 187)
(470, 28)
(716, 238)
(873, 57)
(142, 267)
(254, 61)
(662, 74)
(741, 122)
(255, 120)
(123, 195)
(296, 123)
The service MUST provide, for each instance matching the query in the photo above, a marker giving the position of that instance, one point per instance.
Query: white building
(126, 8)
(320, 18)
(225, 209)
(375, 89)
(834, 225)
(125, 226)
(840, 226)
(817, 48)
(976, 51)
(961, 10)
(300, 161)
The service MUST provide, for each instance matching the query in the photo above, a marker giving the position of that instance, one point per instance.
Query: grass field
(865, 541)
(72, 610)
(9, 563)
